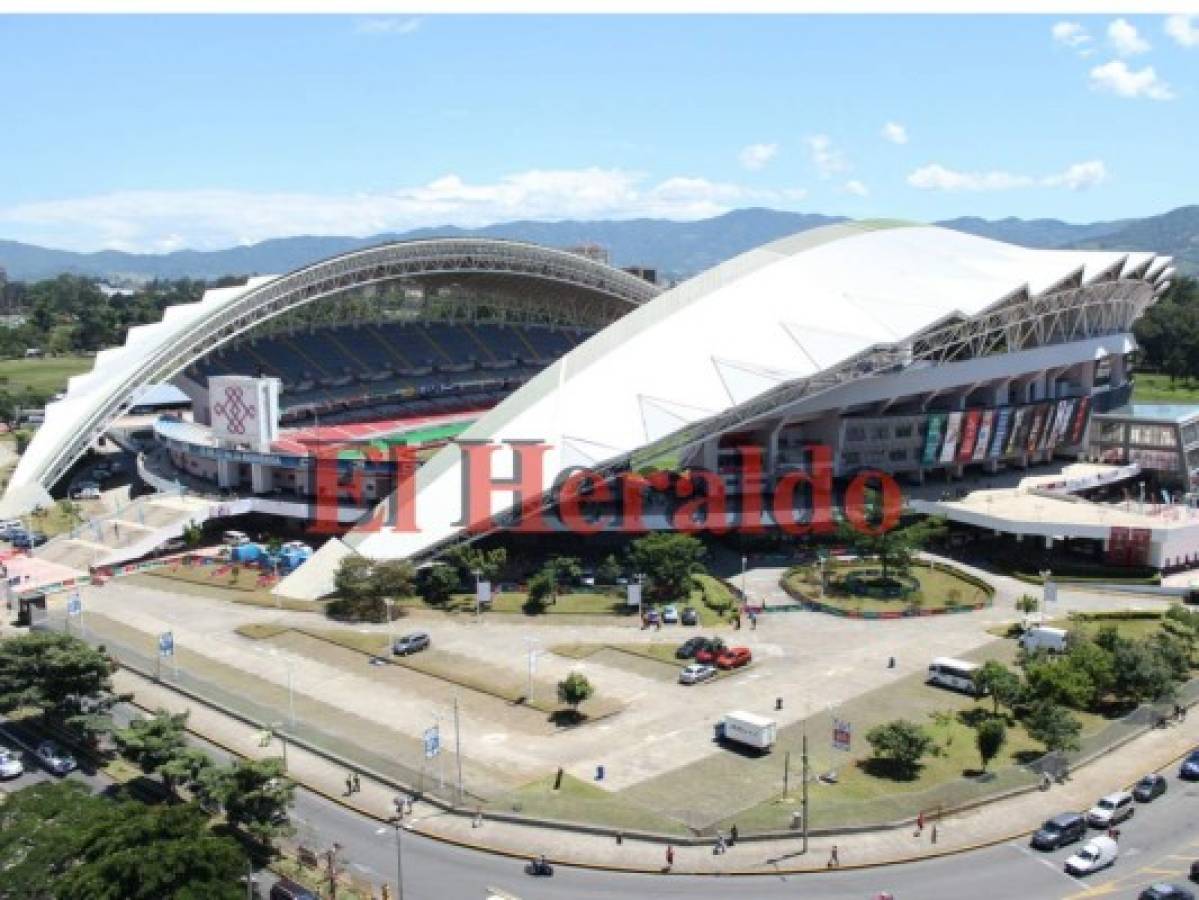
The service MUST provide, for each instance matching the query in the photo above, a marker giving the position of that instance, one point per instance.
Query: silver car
(695, 673)
(54, 758)
(410, 643)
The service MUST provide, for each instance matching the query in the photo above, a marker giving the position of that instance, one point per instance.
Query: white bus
(953, 673)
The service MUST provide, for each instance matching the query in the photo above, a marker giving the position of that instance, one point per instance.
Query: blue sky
(155, 133)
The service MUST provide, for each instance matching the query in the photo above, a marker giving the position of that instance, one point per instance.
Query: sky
(157, 133)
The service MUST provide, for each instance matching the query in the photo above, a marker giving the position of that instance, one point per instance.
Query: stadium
(920, 352)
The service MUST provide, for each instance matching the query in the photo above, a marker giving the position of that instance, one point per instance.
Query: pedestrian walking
(753, 621)
(349, 785)
(669, 856)
(478, 822)
(357, 783)
(919, 824)
(934, 834)
(733, 836)
(834, 861)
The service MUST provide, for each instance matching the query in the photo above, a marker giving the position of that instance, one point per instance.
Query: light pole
(291, 694)
(399, 825)
(532, 655)
(744, 596)
(391, 622)
(277, 728)
(478, 573)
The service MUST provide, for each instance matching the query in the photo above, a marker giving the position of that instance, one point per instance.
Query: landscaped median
(925, 589)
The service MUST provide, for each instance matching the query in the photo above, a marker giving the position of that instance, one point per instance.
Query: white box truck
(1042, 637)
(746, 728)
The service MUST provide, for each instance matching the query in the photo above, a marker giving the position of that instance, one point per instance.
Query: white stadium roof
(781, 313)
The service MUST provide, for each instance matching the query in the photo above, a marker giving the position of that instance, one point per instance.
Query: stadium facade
(913, 350)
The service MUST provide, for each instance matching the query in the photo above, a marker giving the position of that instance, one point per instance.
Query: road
(1158, 843)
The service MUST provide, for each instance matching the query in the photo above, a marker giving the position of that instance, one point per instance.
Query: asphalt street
(1157, 844)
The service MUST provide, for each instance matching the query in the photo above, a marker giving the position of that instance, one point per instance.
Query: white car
(695, 673)
(1096, 854)
(10, 764)
(670, 615)
(55, 758)
(1111, 810)
(87, 492)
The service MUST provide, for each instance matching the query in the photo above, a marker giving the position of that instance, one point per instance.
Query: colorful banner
(1003, 421)
(1019, 431)
(953, 427)
(1078, 431)
(982, 442)
(932, 439)
(1038, 423)
(969, 435)
(1067, 417)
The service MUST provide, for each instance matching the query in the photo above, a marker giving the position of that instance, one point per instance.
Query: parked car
(1096, 854)
(55, 758)
(670, 615)
(690, 616)
(734, 658)
(10, 764)
(10, 525)
(1111, 810)
(1190, 766)
(711, 650)
(1163, 890)
(1059, 831)
(286, 889)
(1149, 788)
(87, 492)
(410, 643)
(695, 673)
(690, 647)
(27, 540)
(652, 617)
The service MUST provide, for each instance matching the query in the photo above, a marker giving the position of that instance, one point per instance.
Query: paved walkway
(993, 822)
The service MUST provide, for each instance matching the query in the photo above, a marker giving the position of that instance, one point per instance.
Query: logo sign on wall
(842, 734)
(244, 410)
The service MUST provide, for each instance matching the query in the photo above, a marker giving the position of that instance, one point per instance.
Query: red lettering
(855, 502)
(708, 510)
(574, 495)
(751, 490)
(819, 482)
(526, 483)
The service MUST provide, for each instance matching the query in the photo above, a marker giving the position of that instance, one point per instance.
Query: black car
(1163, 890)
(410, 643)
(1149, 788)
(690, 616)
(286, 889)
(1190, 766)
(690, 647)
(1059, 831)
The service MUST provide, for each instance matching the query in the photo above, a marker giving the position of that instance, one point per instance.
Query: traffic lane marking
(1050, 863)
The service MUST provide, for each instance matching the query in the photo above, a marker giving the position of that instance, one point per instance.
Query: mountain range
(675, 249)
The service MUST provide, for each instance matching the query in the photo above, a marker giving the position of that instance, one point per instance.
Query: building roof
(779, 314)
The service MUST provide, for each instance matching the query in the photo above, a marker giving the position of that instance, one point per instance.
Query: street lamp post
(277, 728)
(478, 573)
(399, 826)
(391, 622)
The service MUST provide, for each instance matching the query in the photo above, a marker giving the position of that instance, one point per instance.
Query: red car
(710, 652)
(734, 658)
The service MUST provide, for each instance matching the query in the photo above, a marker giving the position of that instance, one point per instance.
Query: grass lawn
(513, 603)
(45, 376)
(582, 801)
(1133, 629)
(936, 586)
(199, 581)
(1159, 389)
(56, 521)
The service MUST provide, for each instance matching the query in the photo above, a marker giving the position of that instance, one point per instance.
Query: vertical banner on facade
(1067, 417)
(1078, 430)
(1018, 430)
(983, 441)
(953, 427)
(932, 439)
(1034, 433)
(969, 435)
(1003, 421)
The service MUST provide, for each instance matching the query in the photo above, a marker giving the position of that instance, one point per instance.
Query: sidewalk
(991, 823)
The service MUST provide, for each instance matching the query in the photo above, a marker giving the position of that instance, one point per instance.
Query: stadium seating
(408, 366)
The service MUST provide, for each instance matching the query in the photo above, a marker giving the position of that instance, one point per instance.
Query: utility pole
(804, 802)
(458, 749)
(786, 774)
(399, 824)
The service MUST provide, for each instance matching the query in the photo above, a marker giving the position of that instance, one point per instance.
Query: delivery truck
(747, 729)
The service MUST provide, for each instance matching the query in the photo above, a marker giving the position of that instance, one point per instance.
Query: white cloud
(1124, 38)
(1184, 30)
(1116, 78)
(935, 177)
(387, 26)
(856, 188)
(828, 160)
(1070, 34)
(895, 133)
(209, 219)
(756, 156)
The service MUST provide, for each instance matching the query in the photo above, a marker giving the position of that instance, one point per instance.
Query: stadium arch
(186, 333)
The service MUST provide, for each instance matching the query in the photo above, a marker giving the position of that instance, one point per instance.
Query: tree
(541, 588)
(1000, 682)
(61, 677)
(58, 841)
(392, 578)
(439, 584)
(901, 744)
(574, 689)
(255, 795)
(188, 768)
(1059, 682)
(469, 560)
(562, 570)
(353, 578)
(192, 535)
(1141, 674)
(895, 548)
(155, 742)
(608, 570)
(990, 736)
(668, 561)
(1027, 604)
(1098, 665)
(1053, 726)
